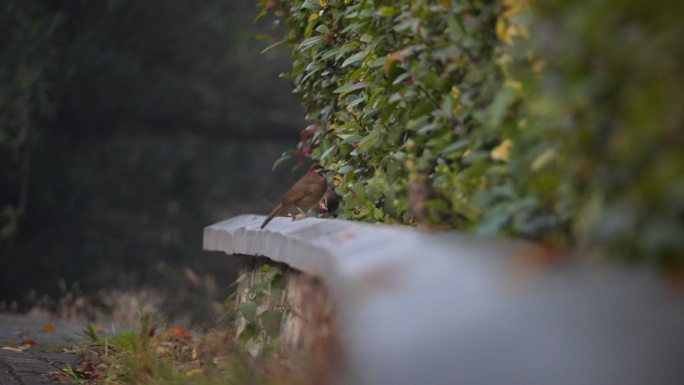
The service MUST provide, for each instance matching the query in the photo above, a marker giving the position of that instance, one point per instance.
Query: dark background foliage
(125, 127)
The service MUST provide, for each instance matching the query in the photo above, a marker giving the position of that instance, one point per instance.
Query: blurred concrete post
(441, 308)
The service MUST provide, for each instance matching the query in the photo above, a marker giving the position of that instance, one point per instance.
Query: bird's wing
(293, 198)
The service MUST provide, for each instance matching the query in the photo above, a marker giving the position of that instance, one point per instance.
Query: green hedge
(606, 100)
(560, 122)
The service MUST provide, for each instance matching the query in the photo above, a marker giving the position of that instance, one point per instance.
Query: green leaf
(248, 333)
(429, 128)
(274, 45)
(272, 273)
(348, 139)
(379, 62)
(261, 14)
(455, 28)
(418, 122)
(259, 288)
(271, 320)
(368, 141)
(285, 156)
(355, 58)
(499, 107)
(496, 219)
(279, 282)
(457, 146)
(400, 78)
(345, 169)
(350, 88)
(327, 152)
(310, 42)
(313, 5)
(387, 11)
(356, 101)
(248, 310)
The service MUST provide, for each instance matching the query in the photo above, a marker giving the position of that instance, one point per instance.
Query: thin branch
(420, 87)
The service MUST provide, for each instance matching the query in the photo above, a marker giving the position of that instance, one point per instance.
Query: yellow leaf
(542, 160)
(514, 85)
(17, 349)
(49, 328)
(393, 57)
(193, 371)
(513, 7)
(501, 30)
(502, 151)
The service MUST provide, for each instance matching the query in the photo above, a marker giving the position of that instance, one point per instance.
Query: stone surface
(302, 298)
(441, 308)
(32, 366)
(299, 320)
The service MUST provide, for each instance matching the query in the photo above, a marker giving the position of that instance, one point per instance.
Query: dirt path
(20, 365)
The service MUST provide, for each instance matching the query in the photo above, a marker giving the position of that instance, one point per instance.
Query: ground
(31, 348)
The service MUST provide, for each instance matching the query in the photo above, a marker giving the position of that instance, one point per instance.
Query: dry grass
(165, 355)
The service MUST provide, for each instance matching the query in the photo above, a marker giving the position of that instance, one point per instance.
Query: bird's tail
(273, 213)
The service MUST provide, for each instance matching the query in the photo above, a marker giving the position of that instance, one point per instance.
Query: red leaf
(178, 331)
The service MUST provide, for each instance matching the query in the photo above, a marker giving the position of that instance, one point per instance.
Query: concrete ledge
(441, 308)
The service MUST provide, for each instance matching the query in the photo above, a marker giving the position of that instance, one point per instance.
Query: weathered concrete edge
(466, 313)
(329, 249)
(241, 235)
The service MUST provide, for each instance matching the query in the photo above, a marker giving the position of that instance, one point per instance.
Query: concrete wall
(413, 307)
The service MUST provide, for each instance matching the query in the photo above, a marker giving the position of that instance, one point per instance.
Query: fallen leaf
(49, 328)
(193, 371)
(29, 342)
(178, 331)
(12, 349)
(59, 377)
(220, 361)
(192, 277)
(16, 349)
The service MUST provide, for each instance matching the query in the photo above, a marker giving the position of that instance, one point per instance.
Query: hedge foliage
(607, 104)
(557, 120)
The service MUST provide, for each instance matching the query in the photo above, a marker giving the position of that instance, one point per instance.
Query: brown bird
(305, 193)
(328, 203)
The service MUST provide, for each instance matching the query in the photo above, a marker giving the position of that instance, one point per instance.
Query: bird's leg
(299, 216)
